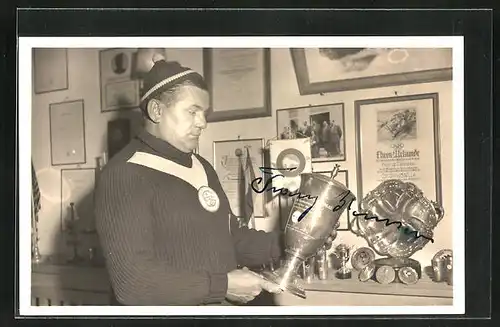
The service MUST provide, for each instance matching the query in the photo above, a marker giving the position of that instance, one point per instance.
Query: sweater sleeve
(123, 221)
(253, 247)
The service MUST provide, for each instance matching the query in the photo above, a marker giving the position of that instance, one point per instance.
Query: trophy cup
(343, 252)
(396, 220)
(315, 212)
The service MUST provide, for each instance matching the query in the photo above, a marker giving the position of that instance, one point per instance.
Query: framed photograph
(239, 83)
(361, 68)
(342, 177)
(50, 70)
(231, 162)
(77, 187)
(67, 133)
(398, 138)
(119, 88)
(323, 124)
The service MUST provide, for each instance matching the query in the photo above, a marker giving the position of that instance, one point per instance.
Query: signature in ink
(283, 190)
(405, 229)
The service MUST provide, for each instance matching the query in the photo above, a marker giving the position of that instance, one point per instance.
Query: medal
(408, 275)
(367, 272)
(385, 275)
(362, 257)
(209, 200)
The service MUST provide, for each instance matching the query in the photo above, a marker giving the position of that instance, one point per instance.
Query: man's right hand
(244, 285)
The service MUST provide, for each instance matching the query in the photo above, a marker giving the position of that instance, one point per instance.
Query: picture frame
(50, 70)
(398, 138)
(227, 166)
(342, 177)
(299, 122)
(77, 186)
(363, 68)
(239, 82)
(119, 89)
(67, 133)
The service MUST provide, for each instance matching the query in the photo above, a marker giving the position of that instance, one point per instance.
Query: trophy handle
(439, 210)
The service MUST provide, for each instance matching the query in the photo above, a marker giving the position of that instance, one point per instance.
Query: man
(164, 222)
(335, 136)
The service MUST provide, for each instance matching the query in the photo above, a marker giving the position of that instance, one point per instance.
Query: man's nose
(200, 120)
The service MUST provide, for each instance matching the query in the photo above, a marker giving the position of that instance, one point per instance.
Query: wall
(84, 84)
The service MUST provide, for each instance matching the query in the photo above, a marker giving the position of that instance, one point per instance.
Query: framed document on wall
(77, 186)
(239, 83)
(398, 138)
(67, 133)
(230, 163)
(119, 90)
(50, 70)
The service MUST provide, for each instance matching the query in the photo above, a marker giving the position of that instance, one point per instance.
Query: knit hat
(165, 75)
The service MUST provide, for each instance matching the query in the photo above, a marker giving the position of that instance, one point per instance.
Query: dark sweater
(161, 247)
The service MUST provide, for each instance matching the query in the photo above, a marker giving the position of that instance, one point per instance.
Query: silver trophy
(397, 220)
(343, 252)
(316, 210)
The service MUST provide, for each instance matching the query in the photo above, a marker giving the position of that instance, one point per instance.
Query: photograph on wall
(324, 125)
(237, 163)
(321, 70)
(398, 138)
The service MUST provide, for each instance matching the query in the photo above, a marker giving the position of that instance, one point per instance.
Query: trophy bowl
(396, 219)
(315, 212)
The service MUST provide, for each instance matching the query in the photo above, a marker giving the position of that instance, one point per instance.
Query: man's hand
(244, 285)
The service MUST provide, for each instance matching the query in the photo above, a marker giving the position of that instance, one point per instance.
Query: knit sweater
(161, 246)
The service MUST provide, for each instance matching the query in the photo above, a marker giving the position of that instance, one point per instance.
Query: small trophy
(343, 252)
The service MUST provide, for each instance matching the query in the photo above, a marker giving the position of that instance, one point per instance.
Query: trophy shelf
(352, 292)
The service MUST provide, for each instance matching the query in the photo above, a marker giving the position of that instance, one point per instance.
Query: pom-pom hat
(165, 75)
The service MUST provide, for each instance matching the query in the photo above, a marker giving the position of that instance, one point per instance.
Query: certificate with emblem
(398, 138)
(231, 158)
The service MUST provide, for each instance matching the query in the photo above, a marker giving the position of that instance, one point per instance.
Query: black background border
(476, 26)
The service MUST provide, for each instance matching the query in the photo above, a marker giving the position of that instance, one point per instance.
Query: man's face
(181, 123)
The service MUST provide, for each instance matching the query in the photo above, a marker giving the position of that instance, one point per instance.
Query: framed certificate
(342, 177)
(320, 70)
(77, 187)
(67, 133)
(119, 88)
(50, 70)
(239, 83)
(230, 164)
(398, 138)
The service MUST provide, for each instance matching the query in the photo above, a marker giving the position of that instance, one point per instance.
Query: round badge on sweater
(209, 199)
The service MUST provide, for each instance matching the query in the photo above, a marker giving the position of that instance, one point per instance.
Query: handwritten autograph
(285, 191)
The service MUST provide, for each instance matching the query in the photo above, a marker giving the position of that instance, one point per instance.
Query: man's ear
(154, 110)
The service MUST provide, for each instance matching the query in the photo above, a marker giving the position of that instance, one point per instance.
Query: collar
(165, 149)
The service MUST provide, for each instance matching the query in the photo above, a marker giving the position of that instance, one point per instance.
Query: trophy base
(292, 288)
(343, 274)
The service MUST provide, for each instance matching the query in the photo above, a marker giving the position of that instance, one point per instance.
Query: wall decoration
(230, 163)
(118, 135)
(342, 177)
(67, 133)
(323, 124)
(119, 90)
(361, 68)
(50, 70)
(77, 186)
(398, 138)
(239, 83)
